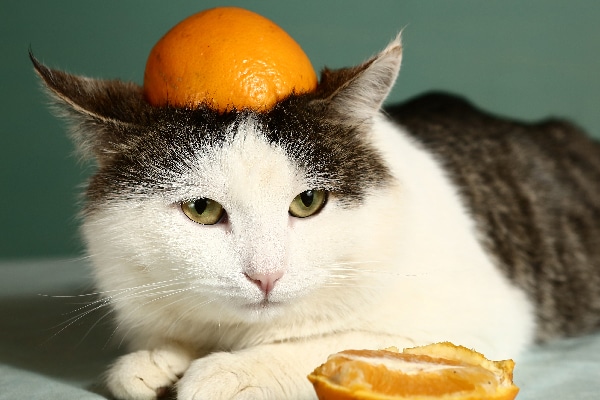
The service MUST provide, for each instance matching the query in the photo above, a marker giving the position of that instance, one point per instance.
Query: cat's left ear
(361, 91)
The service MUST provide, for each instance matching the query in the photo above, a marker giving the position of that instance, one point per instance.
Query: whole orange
(226, 58)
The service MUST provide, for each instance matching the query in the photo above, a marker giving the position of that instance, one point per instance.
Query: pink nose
(266, 282)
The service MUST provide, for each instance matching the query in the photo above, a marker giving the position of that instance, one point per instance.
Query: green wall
(527, 59)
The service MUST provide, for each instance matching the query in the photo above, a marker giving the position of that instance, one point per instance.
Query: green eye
(203, 211)
(308, 203)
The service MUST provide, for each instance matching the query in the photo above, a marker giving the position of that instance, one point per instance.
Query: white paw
(145, 375)
(215, 377)
(239, 376)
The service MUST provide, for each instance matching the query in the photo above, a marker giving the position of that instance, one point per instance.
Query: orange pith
(440, 371)
(226, 58)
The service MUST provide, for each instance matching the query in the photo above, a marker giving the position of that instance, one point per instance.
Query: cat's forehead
(183, 151)
(246, 165)
(250, 157)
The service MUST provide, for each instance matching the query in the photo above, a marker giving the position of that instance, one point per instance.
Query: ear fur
(99, 110)
(361, 91)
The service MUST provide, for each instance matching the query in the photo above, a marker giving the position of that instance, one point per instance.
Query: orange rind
(226, 58)
(441, 371)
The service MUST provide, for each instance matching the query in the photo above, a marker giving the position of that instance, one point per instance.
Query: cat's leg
(146, 374)
(272, 371)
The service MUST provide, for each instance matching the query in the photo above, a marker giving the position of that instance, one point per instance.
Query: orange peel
(441, 371)
(226, 58)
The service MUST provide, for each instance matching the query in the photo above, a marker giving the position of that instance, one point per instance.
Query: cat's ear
(361, 91)
(99, 110)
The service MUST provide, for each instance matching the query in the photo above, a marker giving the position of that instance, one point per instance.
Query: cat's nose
(266, 281)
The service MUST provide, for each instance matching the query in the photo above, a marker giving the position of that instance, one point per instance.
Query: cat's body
(534, 191)
(449, 225)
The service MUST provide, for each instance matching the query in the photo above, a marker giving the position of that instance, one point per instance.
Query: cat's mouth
(263, 305)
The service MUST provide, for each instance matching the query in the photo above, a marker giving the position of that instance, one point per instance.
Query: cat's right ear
(100, 111)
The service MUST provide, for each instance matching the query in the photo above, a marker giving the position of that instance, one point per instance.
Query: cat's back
(534, 191)
(553, 157)
(444, 123)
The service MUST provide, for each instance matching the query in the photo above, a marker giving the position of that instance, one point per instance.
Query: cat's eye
(308, 203)
(203, 211)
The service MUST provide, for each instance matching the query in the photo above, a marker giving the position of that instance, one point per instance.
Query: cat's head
(248, 212)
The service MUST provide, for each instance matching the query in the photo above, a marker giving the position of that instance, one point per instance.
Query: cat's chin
(261, 311)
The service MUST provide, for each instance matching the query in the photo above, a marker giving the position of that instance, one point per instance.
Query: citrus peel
(226, 58)
(440, 371)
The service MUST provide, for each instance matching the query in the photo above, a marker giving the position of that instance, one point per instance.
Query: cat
(236, 251)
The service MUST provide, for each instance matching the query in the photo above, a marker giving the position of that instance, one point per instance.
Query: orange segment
(440, 371)
(226, 58)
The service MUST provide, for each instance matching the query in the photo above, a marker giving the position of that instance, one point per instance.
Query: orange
(440, 371)
(226, 58)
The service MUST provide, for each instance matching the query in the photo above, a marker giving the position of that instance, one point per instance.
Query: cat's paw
(223, 376)
(219, 376)
(147, 374)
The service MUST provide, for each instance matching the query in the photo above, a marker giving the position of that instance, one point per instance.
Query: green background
(526, 59)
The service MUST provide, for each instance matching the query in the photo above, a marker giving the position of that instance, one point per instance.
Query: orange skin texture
(466, 378)
(226, 58)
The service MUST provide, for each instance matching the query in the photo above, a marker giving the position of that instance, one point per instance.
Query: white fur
(402, 269)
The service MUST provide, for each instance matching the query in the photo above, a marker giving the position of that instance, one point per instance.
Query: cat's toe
(218, 377)
(146, 375)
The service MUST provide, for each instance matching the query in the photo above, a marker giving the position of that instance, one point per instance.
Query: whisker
(108, 303)
(189, 311)
(117, 295)
(134, 310)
